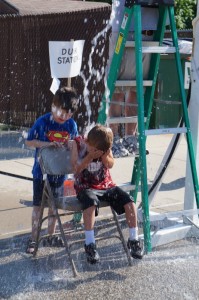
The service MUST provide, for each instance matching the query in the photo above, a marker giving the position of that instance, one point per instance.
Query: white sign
(65, 58)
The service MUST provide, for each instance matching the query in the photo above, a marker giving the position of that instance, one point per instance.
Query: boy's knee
(130, 206)
(91, 208)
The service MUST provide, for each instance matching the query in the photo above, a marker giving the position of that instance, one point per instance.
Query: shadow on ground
(169, 272)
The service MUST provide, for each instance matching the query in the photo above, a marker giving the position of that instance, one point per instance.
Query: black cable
(16, 176)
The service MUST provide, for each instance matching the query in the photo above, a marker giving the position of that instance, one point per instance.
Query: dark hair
(66, 98)
(100, 137)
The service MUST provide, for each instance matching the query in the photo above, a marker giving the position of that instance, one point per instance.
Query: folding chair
(56, 161)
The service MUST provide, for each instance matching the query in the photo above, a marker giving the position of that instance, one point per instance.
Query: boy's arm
(38, 144)
(107, 159)
(35, 138)
(74, 155)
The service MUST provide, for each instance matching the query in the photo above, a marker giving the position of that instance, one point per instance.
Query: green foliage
(5, 127)
(185, 12)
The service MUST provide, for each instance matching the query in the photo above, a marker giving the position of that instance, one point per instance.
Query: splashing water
(94, 71)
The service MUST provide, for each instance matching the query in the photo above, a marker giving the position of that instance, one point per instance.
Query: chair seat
(71, 203)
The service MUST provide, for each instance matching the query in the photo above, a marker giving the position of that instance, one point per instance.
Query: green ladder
(139, 174)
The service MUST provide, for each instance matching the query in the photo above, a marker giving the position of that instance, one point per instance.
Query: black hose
(16, 176)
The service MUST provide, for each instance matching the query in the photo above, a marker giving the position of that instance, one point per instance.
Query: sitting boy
(91, 160)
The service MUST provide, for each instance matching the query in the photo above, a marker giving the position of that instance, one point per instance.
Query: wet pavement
(168, 272)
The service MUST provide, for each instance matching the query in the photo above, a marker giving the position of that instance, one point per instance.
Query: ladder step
(152, 47)
(123, 120)
(122, 103)
(127, 83)
(127, 187)
(166, 131)
(159, 49)
(168, 215)
(131, 44)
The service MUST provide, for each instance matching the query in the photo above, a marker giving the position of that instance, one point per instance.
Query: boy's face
(60, 115)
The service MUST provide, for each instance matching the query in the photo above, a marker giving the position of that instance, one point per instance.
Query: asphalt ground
(168, 272)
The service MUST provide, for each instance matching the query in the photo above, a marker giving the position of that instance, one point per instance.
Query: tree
(185, 12)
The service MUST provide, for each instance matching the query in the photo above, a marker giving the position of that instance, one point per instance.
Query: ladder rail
(141, 126)
(150, 91)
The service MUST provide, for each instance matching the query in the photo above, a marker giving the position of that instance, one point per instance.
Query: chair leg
(40, 221)
(52, 205)
(122, 237)
(75, 273)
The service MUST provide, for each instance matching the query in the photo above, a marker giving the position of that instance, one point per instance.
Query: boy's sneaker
(30, 246)
(135, 248)
(53, 241)
(91, 253)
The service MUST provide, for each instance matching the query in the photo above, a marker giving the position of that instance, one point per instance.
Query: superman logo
(58, 136)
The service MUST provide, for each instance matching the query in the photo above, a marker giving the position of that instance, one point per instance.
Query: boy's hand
(56, 144)
(95, 153)
(107, 159)
(106, 153)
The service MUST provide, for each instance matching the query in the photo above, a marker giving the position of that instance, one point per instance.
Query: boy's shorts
(38, 185)
(115, 196)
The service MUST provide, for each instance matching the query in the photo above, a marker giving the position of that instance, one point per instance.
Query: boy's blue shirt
(45, 126)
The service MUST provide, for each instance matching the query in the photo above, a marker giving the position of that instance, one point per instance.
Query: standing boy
(52, 129)
(91, 159)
